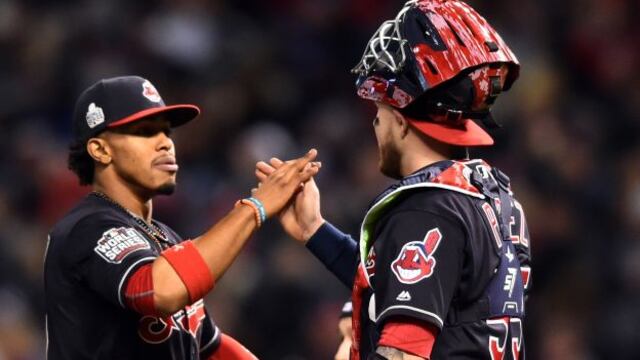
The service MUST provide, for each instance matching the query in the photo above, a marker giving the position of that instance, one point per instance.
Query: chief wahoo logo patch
(415, 261)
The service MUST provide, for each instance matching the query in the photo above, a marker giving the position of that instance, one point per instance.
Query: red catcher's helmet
(440, 64)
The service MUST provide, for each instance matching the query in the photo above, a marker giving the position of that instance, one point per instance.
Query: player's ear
(99, 150)
(402, 122)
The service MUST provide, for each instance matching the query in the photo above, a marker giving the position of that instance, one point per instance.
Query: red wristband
(191, 268)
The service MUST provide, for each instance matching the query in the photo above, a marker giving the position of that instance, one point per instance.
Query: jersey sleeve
(210, 337)
(108, 251)
(418, 264)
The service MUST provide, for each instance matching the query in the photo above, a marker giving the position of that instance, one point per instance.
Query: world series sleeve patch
(118, 243)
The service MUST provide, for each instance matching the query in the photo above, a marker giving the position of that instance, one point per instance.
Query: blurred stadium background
(272, 78)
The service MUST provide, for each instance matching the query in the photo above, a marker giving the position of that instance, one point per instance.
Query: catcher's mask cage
(430, 43)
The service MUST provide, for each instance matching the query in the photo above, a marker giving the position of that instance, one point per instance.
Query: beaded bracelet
(256, 206)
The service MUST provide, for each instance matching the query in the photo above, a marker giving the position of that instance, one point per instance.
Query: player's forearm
(389, 353)
(190, 269)
(222, 243)
(218, 247)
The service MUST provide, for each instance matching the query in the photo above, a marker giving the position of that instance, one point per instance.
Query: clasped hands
(287, 188)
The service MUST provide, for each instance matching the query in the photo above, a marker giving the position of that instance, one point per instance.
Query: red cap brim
(176, 114)
(468, 134)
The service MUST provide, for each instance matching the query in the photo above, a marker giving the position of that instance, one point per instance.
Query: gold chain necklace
(154, 231)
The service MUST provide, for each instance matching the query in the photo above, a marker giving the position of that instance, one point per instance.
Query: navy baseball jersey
(91, 254)
(432, 249)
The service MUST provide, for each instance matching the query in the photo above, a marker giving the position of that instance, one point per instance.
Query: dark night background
(272, 78)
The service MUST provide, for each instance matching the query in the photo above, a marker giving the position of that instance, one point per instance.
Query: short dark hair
(81, 163)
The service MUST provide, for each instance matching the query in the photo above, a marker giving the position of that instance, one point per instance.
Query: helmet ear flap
(469, 95)
(495, 88)
(456, 94)
(489, 82)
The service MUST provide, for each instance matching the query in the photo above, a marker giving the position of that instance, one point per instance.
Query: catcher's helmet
(441, 64)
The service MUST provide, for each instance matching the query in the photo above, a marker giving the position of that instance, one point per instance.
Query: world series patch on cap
(121, 100)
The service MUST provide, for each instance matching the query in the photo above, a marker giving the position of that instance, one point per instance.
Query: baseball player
(119, 284)
(345, 330)
(443, 261)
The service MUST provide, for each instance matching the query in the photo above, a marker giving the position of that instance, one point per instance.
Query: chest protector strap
(504, 295)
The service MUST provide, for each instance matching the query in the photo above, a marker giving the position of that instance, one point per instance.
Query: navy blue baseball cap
(121, 100)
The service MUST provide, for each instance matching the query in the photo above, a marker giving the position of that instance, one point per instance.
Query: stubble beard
(390, 161)
(145, 187)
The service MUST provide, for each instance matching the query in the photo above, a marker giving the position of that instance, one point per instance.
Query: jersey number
(503, 329)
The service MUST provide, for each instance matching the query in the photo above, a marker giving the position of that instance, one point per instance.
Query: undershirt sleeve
(337, 251)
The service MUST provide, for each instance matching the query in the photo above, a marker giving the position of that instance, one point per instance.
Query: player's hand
(301, 217)
(277, 188)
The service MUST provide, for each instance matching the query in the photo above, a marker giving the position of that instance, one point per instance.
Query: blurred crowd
(272, 78)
